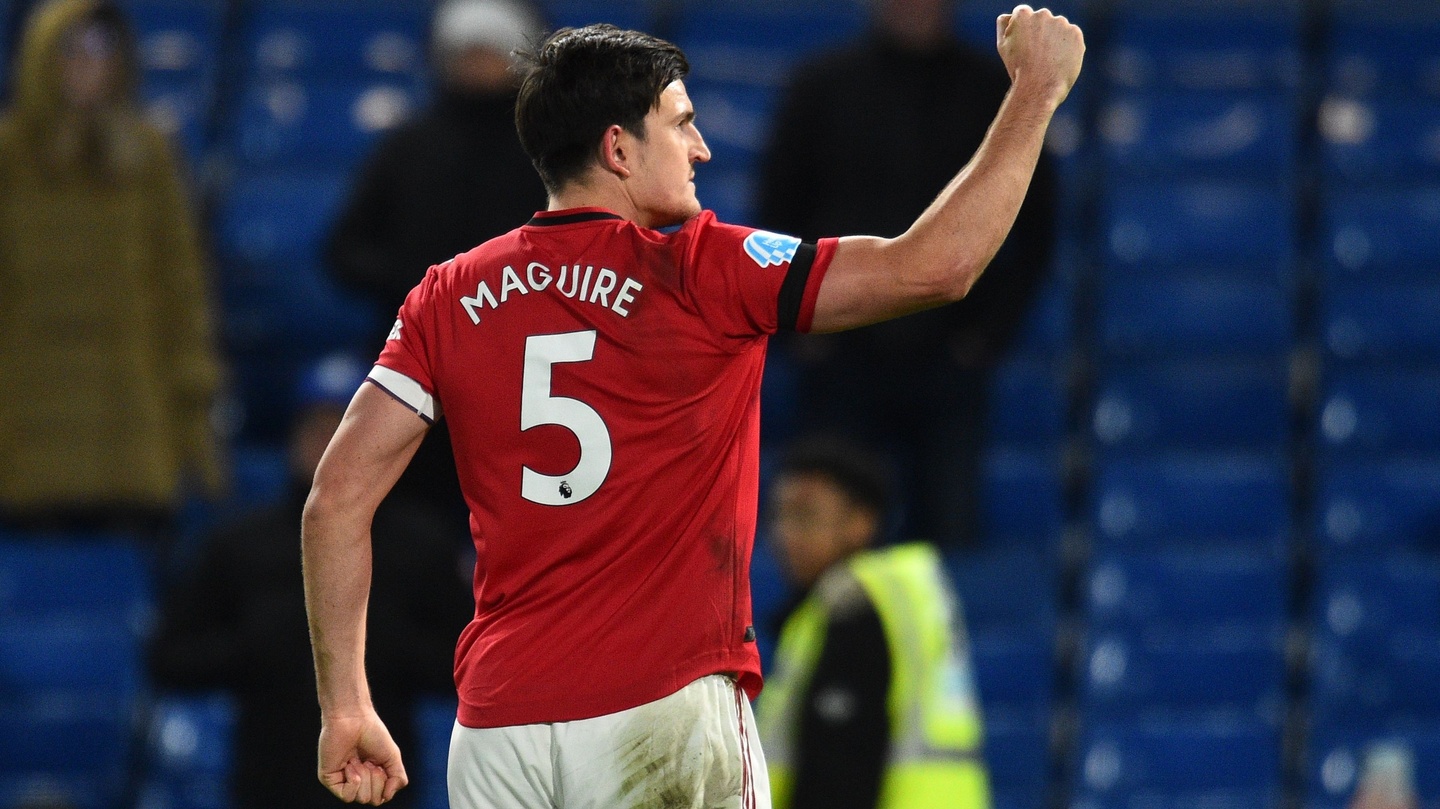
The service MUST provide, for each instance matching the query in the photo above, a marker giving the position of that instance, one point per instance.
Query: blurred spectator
(104, 311)
(871, 701)
(441, 184)
(237, 620)
(1387, 778)
(865, 138)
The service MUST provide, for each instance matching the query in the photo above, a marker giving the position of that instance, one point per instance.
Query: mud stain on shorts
(668, 760)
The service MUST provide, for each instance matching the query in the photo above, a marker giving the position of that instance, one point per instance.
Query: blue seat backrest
(1369, 506)
(1158, 760)
(1159, 591)
(759, 43)
(1255, 50)
(1199, 135)
(1197, 224)
(1372, 320)
(1380, 141)
(326, 40)
(1381, 233)
(1192, 405)
(1198, 314)
(1379, 411)
(1239, 501)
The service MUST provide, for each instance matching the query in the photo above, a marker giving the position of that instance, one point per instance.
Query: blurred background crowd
(1180, 451)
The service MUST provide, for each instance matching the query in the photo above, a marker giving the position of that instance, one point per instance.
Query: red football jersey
(602, 385)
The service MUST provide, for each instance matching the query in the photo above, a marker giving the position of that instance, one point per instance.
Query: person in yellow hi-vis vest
(870, 702)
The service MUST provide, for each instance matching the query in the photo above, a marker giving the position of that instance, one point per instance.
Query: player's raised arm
(940, 257)
(358, 761)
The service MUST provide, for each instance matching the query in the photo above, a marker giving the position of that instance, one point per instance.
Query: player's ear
(613, 156)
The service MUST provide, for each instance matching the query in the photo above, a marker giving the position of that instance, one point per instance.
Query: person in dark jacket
(236, 621)
(440, 184)
(865, 138)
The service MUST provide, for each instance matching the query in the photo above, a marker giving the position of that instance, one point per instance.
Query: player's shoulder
(715, 240)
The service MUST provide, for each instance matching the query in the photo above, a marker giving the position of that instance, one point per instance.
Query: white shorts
(696, 748)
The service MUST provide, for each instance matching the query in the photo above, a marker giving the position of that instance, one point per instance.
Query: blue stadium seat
(975, 19)
(1389, 681)
(262, 376)
(178, 39)
(1210, 500)
(1336, 754)
(434, 721)
(322, 40)
(1192, 314)
(1378, 506)
(69, 690)
(1199, 135)
(179, 45)
(275, 293)
(757, 42)
(1365, 142)
(1005, 591)
(1225, 765)
(1360, 602)
(97, 578)
(637, 15)
(1192, 406)
(1160, 592)
(1250, 48)
(7, 11)
(267, 219)
(730, 194)
(1029, 404)
(181, 110)
(1049, 326)
(188, 752)
(1014, 674)
(1183, 676)
(1387, 233)
(1022, 498)
(1379, 411)
(330, 126)
(1366, 320)
(1017, 755)
(1391, 54)
(735, 120)
(1198, 224)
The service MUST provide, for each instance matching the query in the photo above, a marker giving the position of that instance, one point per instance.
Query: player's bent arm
(374, 443)
(944, 252)
(358, 760)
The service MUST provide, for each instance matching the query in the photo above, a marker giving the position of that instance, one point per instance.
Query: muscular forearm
(335, 547)
(963, 228)
(942, 254)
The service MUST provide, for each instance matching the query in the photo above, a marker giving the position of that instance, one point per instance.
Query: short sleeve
(749, 282)
(405, 369)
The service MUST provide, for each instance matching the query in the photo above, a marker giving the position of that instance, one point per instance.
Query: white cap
(504, 25)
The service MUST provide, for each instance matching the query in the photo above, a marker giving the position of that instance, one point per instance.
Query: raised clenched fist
(1041, 51)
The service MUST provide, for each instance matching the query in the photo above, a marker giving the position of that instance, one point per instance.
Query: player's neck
(598, 192)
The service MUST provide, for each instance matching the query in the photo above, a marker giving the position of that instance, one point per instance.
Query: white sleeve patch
(407, 391)
(766, 248)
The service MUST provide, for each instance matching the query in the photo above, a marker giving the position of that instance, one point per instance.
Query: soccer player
(600, 370)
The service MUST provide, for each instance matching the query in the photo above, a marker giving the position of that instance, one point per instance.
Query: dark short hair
(580, 81)
(855, 470)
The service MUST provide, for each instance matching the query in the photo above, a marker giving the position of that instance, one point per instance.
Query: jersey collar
(570, 216)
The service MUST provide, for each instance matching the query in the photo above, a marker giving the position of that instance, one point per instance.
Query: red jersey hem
(509, 714)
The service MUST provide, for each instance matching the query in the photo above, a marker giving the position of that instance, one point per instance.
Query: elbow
(954, 282)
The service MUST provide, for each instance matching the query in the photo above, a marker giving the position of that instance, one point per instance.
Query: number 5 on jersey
(537, 407)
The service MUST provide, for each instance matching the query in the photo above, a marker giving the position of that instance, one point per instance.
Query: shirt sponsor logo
(767, 249)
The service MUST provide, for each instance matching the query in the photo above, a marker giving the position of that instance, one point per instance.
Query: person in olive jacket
(108, 360)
